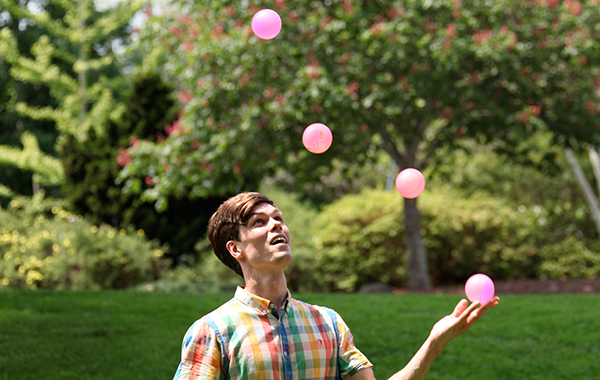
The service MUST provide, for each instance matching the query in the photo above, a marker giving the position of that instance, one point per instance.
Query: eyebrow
(257, 214)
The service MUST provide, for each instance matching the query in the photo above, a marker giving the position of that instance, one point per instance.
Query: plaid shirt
(247, 338)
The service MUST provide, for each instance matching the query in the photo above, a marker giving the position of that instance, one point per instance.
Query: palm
(460, 321)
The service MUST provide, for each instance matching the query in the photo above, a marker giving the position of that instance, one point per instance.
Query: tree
(13, 91)
(92, 165)
(72, 61)
(409, 78)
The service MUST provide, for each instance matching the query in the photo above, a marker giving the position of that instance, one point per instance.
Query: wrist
(434, 345)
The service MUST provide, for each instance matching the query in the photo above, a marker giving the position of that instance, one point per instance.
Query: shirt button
(285, 353)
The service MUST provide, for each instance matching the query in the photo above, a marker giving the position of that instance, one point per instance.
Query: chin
(287, 256)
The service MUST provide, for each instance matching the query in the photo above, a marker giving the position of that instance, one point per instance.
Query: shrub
(477, 233)
(203, 273)
(49, 247)
(569, 258)
(360, 239)
(556, 195)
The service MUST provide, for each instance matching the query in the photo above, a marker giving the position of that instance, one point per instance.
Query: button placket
(285, 347)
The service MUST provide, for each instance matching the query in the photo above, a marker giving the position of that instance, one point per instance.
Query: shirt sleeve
(350, 358)
(200, 354)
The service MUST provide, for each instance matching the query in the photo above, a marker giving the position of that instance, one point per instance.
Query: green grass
(136, 335)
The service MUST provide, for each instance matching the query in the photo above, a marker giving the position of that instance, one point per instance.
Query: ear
(234, 248)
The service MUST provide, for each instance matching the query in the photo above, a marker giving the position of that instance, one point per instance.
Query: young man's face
(265, 239)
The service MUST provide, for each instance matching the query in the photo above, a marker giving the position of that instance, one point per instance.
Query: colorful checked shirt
(248, 338)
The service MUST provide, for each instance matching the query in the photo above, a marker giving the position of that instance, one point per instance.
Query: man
(264, 333)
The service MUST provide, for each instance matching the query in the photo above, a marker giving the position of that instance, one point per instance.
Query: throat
(270, 287)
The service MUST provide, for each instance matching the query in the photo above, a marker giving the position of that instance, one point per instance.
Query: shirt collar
(260, 304)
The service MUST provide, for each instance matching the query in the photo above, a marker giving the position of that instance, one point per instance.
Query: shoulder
(317, 311)
(217, 319)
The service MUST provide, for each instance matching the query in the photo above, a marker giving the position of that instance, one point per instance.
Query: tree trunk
(418, 269)
(590, 197)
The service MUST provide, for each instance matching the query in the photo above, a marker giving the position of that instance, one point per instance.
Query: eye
(257, 222)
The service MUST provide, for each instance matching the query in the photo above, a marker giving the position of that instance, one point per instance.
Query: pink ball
(317, 138)
(479, 287)
(266, 24)
(410, 183)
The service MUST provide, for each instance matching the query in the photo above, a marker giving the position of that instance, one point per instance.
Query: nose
(275, 225)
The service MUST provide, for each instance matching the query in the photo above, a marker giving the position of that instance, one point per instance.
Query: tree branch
(387, 144)
(585, 186)
(431, 152)
(595, 160)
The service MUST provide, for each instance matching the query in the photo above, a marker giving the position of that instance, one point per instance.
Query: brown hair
(224, 224)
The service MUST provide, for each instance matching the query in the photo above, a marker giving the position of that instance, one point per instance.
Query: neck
(269, 286)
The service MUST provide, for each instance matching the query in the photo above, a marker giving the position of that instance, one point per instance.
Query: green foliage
(11, 92)
(204, 275)
(466, 235)
(71, 91)
(553, 195)
(361, 240)
(569, 258)
(92, 167)
(70, 62)
(343, 178)
(408, 78)
(566, 241)
(44, 246)
(47, 170)
(405, 77)
(505, 221)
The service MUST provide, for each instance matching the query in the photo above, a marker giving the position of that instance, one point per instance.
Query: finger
(469, 310)
(491, 303)
(460, 307)
(482, 310)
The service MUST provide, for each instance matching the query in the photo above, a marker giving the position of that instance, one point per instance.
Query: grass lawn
(136, 335)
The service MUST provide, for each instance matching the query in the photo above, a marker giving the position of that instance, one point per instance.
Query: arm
(200, 354)
(446, 329)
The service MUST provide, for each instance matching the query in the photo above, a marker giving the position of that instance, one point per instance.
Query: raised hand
(459, 322)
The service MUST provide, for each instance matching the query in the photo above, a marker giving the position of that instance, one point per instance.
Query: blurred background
(125, 124)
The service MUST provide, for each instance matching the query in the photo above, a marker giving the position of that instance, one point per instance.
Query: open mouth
(278, 240)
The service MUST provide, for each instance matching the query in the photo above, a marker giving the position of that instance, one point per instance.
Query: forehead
(264, 208)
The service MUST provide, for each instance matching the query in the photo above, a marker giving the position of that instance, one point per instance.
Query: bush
(360, 239)
(556, 195)
(569, 259)
(202, 273)
(478, 233)
(45, 246)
